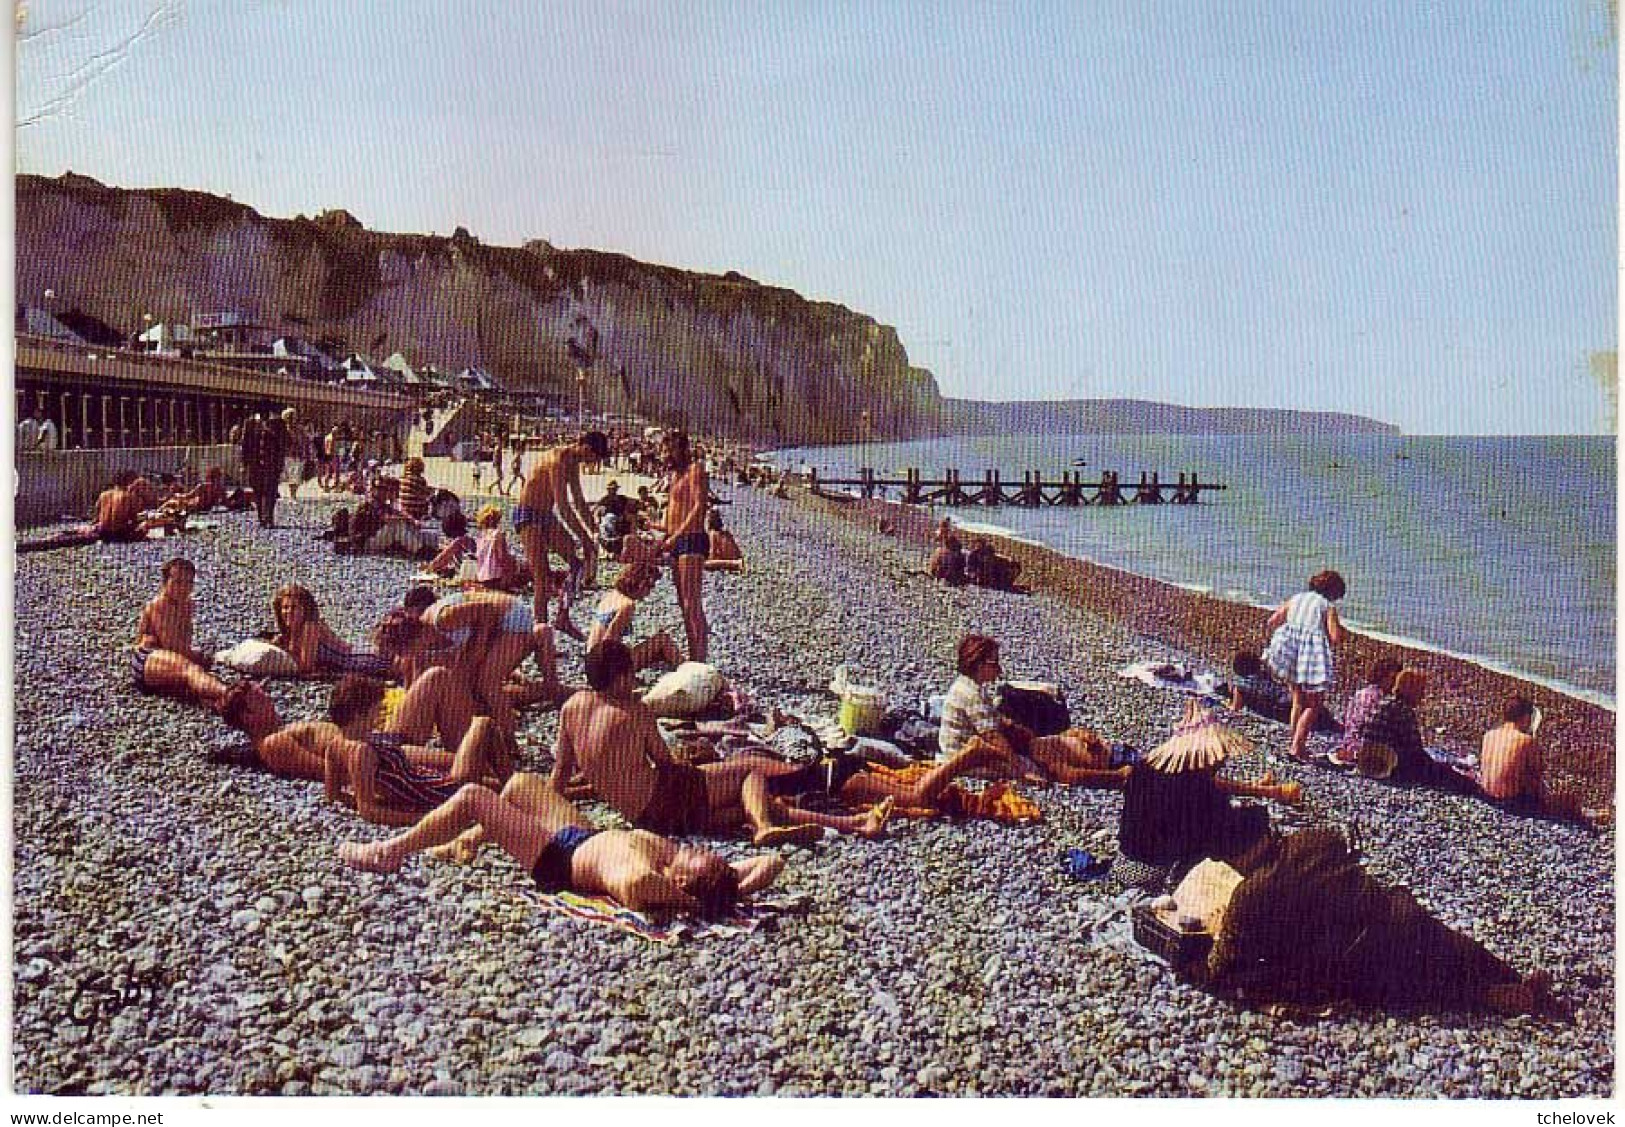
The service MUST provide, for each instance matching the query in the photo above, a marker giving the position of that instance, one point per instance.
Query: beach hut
(476, 380)
(358, 371)
(403, 371)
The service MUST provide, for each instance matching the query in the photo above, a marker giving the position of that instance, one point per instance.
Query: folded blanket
(755, 915)
(1165, 675)
(1461, 762)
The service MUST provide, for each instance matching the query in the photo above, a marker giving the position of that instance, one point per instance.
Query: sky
(1400, 210)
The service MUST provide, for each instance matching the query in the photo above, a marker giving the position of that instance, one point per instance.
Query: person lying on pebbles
(561, 850)
(205, 495)
(484, 635)
(436, 704)
(968, 717)
(374, 771)
(301, 632)
(615, 741)
(1307, 925)
(165, 660)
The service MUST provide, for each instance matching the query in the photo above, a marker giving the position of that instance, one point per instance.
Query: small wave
(979, 528)
(1602, 700)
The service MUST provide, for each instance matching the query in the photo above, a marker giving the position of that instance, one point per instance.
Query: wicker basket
(1157, 933)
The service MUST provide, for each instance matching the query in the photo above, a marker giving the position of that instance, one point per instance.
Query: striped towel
(747, 918)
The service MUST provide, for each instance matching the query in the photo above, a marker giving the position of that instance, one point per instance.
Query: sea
(1500, 550)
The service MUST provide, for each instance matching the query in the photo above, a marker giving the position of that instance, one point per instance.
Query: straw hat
(1376, 760)
(1200, 741)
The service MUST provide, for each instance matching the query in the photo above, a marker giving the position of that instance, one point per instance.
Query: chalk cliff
(724, 354)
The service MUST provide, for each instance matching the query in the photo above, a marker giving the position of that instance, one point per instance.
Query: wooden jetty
(1034, 492)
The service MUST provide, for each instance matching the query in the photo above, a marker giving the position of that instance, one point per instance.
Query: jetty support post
(911, 486)
(1108, 492)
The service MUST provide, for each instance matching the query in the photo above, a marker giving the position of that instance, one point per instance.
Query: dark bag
(1040, 712)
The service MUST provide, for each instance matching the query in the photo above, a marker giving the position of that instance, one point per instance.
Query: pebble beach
(949, 958)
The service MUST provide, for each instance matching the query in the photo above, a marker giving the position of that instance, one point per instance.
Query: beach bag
(686, 690)
(258, 658)
(863, 707)
(1034, 705)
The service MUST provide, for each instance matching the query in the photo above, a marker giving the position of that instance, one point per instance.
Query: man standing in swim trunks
(552, 514)
(613, 738)
(686, 537)
(561, 850)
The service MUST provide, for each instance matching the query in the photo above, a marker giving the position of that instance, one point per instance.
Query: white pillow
(258, 658)
(688, 689)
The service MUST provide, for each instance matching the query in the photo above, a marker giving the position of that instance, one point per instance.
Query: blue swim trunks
(691, 544)
(552, 869)
(138, 664)
(543, 519)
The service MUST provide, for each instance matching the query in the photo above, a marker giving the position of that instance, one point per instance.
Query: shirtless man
(562, 851)
(370, 760)
(551, 515)
(118, 510)
(1512, 774)
(686, 538)
(614, 739)
(165, 660)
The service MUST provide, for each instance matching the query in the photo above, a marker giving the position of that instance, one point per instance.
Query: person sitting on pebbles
(1512, 775)
(497, 569)
(724, 553)
(613, 738)
(118, 510)
(968, 716)
(1177, 811)
(165, 660)
(613, 618)
(457, 546)
(947, 562)
(562, 851)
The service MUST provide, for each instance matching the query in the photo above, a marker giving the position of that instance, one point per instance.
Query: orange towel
(1000, 802)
